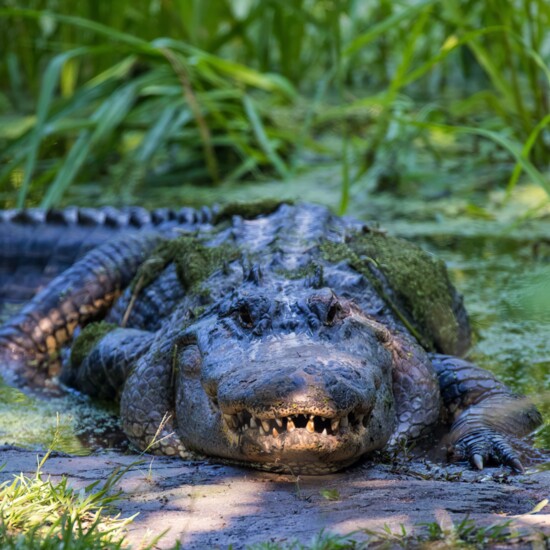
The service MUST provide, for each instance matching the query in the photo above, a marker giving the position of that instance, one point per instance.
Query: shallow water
(501, 263)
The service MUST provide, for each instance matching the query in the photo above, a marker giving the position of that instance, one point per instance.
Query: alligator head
(295, 380)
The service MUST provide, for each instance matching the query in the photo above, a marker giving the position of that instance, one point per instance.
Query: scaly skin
(277, 342)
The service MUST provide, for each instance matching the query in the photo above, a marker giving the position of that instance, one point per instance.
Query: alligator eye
(245, 317)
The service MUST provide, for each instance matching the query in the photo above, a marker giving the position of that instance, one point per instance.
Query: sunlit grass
(36, 512)
(434, 535)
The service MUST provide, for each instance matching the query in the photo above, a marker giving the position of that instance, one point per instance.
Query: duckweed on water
(78, 424)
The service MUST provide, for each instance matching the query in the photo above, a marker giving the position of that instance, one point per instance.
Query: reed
(187, 90)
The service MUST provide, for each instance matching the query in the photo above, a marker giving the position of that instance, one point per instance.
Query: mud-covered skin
(284, 341)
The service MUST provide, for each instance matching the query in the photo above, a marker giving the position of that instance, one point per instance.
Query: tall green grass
(150, 92)
(162, 102)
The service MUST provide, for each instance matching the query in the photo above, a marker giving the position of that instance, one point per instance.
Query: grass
(163, 103)
(38, 513)
(161, 93)
(464, 534)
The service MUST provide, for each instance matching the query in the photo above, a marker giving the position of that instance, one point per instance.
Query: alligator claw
(484, 445)
(477, 461)
(516, 465)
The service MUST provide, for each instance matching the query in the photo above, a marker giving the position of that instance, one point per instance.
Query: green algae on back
(87, 339)
(194, 262)
(421, 293)
(249, 210)
(312, 271)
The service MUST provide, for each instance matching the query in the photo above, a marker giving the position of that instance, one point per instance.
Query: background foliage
(119, 97)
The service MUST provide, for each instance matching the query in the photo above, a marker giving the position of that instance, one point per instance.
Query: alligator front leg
(415, 389)
(136, 366)
(147, 405)
(30, 341)
(484, 413)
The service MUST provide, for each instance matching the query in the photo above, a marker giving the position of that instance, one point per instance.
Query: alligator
(278, 335)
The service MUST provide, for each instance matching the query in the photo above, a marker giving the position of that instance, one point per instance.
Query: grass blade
(527, 146)
(107, 117)
(50, 81)
(262, 138)
(513, 148)
(389, 23)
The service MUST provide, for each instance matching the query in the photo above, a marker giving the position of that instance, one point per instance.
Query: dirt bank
(206, 505)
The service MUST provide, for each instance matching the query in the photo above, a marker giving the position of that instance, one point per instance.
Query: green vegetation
(194, 262)
(87, 339)
(157, 94)
(464, 534)
(36, 513)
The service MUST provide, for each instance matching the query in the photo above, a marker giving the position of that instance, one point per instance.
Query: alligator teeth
(245, 427)
(310, 427)
(253, 422)
(325, 432)
(275, 433)
(261, 430)
(290, 425)
(334, 424)
(344, 422)
(265, 426)
(279, 422)
(230, 420)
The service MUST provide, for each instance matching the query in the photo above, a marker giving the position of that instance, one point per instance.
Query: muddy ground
(207, 505)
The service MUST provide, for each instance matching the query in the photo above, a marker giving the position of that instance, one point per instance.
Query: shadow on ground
(206, 505)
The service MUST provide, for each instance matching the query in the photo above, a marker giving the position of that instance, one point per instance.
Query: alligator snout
(293, 394)
(283, 386)
(314, 397)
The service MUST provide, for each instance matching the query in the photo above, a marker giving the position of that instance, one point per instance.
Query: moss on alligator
(194, 262)
(312, 271)
(249, 210)
(422, 295)
(87, 339)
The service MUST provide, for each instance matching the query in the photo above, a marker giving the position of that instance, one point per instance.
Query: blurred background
(121, 102)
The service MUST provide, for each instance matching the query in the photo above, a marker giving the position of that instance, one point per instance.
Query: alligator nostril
(245, 317)
(326, 306)
(332, 313)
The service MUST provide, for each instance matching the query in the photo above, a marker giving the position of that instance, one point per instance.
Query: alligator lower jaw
(293, 468)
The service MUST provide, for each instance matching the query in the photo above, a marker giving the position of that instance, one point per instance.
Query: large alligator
(279, 336)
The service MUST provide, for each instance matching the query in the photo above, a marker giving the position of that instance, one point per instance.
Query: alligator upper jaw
(258, 426)
(301, 443)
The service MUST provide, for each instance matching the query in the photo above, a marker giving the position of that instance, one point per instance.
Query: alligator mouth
(245, 422)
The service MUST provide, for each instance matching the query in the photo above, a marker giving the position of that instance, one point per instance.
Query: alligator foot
(484, 445)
